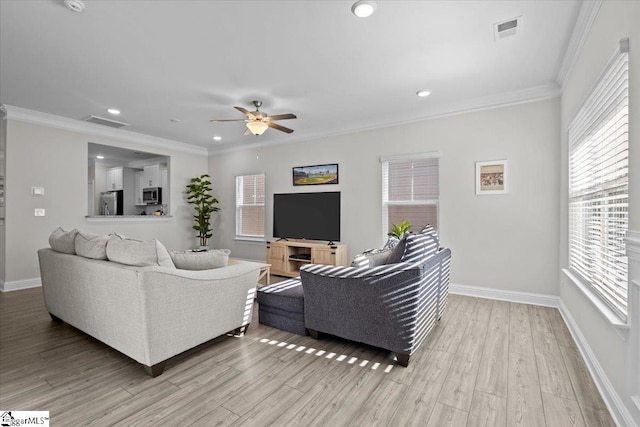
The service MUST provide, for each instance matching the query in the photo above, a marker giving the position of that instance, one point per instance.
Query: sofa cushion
(428, 229)
(164, 257)
(420, 247)
(397, 252)
(205, 260)
(287, 295)
(371, 258)
(63, 241)
(138, 253)
(90, 245)
(391, 242)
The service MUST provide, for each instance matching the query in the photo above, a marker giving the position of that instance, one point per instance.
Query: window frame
(597, 112)
(385, 161)
(239, 180)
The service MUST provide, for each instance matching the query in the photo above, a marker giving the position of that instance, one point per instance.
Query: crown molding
(20, 114)
(505, 99)
(521, 96)
(586, 17)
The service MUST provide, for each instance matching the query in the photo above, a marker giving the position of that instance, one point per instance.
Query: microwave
(152, 196)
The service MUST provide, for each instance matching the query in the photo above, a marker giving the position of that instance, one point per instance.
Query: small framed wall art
(315, 175)
(491, 177)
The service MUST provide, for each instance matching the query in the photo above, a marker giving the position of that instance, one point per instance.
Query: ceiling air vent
(105, 122)
(507, 28)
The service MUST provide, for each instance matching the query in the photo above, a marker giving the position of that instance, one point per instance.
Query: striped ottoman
(281, 306)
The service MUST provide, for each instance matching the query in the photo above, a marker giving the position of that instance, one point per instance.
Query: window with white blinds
(250, 206)
(410, 190)
(599, 185)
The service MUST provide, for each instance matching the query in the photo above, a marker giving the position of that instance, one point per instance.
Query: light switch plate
(38, 212)
(37, 191)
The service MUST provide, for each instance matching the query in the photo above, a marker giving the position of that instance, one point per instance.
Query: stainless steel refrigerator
(111, 203)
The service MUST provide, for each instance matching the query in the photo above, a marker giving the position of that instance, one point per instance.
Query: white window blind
(599, 185)
(250, 206)
(410, 191)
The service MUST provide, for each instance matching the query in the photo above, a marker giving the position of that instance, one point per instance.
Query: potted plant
(400, 231)
(199, 194)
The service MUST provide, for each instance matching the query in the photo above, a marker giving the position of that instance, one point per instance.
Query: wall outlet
(38, 212)
(37, 191)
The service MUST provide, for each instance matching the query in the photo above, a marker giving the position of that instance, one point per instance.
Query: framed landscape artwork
(491, 177)
(315, 175)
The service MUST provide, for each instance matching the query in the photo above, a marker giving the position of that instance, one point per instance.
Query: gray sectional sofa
(389, 298)
(148, 312)
(391, 307)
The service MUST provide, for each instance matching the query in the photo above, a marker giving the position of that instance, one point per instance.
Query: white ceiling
(194, 60)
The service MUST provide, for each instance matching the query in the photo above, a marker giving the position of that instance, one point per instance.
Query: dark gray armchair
(392, 306)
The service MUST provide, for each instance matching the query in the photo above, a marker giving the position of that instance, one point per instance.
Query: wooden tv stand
(287, 256)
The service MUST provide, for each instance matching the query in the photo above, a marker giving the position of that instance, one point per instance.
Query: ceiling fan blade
(282, 117)
(245, 112)
(280, 128)
(227, 120)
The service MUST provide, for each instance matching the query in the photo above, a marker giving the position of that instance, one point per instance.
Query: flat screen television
(313, 216)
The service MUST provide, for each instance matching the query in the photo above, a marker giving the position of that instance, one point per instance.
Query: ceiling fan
(258, 121)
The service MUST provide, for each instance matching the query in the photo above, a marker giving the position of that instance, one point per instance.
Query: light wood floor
(488, 363)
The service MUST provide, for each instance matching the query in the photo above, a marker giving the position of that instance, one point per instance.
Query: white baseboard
(616, 407)
(503, 295)
(20, 284)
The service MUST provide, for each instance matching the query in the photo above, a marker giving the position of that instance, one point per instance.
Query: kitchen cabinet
(152, 176)
(138, 186)
(114, 179)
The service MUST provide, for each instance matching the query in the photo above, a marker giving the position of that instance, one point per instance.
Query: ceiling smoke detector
(507, 28)
(75, 5)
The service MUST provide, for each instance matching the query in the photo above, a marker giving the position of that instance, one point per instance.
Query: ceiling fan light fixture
(257, 127)
(363, 8)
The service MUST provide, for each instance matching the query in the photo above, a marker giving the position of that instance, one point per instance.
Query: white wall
(56, 159)
(502, 241)
(3, 152)
(615, 20)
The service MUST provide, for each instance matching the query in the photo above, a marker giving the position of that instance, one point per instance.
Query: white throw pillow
(188, 260)
(90, 245)
(164, 258)
(63, 241)
(137, 252)
(371, 258)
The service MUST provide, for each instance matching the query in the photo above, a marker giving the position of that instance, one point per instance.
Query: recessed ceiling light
(217, 138)
(99, 157)
(75, 5)
(113, 111)
(363, 8)
(423, 93)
